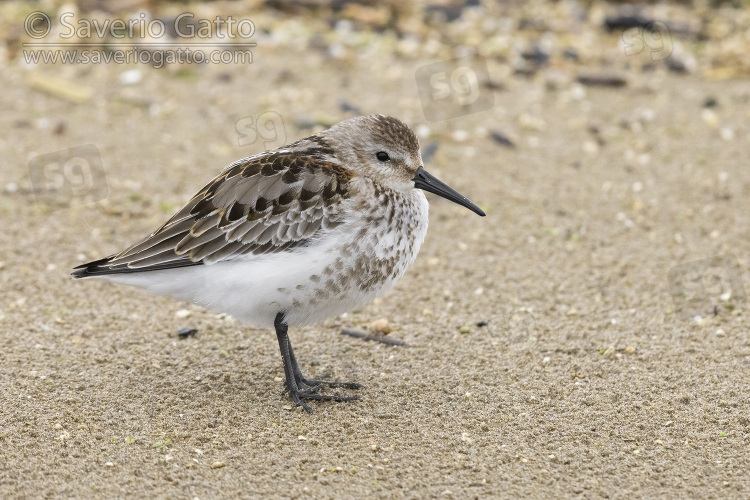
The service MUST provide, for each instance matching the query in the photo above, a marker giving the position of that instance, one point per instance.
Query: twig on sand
(361, 334)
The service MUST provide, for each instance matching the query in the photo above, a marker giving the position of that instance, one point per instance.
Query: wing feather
(159, 259)
(263, 204)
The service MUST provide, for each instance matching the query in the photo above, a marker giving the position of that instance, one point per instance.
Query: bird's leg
(315, 383)
(283, 338)
(291, 371)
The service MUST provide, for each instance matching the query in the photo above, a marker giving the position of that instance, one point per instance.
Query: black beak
(428, 182)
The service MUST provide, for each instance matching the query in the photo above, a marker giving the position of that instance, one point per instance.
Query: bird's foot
(297, 385)
(298, 396)
(309, 388)
(314, 384)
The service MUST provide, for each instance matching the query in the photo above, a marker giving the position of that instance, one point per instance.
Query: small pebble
(623, 22)
(130, 77)
(710, 118)
(429, 152)
(530, 122)
(570, 53)
(381, 326)
(590, 147)
(578, 92)
(502, 139)
(423, 131)
(59, 128)
(536, 55)
(710, 102)
(347, 107)
(184, 333)
(460, 135)
(602, 80)
(182, 313)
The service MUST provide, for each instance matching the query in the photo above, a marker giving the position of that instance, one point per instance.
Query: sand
(586, 379)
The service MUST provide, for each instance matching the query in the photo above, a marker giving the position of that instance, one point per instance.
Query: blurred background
(260, 74)
(586, 338)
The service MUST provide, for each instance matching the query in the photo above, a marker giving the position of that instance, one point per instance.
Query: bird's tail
(104, 267)
(93, 268)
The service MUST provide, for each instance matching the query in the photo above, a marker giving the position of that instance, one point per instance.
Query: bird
(292, 236)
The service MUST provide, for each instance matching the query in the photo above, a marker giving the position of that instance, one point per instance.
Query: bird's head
(386, 150)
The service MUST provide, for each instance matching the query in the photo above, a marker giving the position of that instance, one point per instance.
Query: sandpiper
(295, 235)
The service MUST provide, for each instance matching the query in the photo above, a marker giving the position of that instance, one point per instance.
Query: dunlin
(293, 236)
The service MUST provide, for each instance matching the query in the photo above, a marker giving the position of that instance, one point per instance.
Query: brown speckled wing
(264, 204)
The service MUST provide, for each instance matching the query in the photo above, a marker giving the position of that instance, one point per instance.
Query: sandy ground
(588, 380)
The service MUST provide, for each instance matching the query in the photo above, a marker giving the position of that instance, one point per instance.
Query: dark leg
(299, 387)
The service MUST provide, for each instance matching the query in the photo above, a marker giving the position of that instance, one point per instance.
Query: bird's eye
(383, 156)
